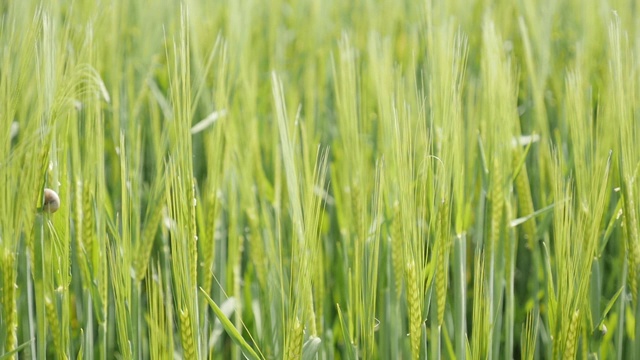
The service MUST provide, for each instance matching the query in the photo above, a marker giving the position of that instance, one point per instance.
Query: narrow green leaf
(231, 330)
(228, 308)
(609, 306)
(520, 220)
(310, 348)
(14, 351)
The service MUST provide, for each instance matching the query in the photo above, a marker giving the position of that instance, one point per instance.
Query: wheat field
(307, 179)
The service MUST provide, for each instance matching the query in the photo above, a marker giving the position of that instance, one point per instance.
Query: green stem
(459, 294)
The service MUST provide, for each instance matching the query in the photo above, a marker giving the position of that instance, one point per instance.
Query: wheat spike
(293, 350)
(193, 239)
(145, 245)
(9, 301)
(54, 326)
(397, 260)
(631, 230)
(413, 302)
(525, 202)
(572, 336)
(442, 261)
(186, 335)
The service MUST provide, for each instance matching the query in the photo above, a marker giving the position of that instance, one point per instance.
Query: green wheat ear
(9, 296)
(293, 347)
(442, 257)
(397, 250)
(570, 347)
(414, 309)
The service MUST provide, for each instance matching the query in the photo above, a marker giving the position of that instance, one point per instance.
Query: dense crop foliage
(320, 179)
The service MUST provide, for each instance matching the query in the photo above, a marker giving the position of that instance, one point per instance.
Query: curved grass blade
(9, 354)
(310, 348)
(231, 330)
